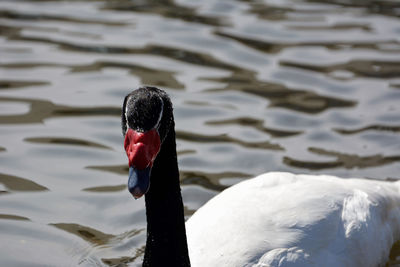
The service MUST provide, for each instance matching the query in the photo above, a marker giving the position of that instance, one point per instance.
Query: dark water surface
(302, 86)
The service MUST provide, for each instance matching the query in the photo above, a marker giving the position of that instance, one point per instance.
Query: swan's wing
(297, 219)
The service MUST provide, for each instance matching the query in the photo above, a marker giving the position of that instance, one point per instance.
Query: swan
(275, 219)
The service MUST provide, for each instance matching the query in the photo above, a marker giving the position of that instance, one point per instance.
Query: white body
(282, 219)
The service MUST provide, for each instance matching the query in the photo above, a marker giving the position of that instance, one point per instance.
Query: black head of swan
(275, 219)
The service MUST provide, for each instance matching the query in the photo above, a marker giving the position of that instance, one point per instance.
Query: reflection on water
(305, 86)
(348, 161)
(64, 141)
(14, 183)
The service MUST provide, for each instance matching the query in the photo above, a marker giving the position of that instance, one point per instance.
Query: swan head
(146, 118)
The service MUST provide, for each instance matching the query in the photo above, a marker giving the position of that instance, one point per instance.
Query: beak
(139, 181)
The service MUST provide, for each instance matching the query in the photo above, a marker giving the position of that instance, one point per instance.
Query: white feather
(126, 113)
(282, 219)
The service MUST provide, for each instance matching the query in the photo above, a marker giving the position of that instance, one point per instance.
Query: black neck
(166, 235)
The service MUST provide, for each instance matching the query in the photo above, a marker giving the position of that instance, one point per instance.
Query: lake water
(306, 86)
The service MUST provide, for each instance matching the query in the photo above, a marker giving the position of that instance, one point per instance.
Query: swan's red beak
(141, 149)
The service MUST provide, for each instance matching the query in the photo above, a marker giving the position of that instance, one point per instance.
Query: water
(301, 86)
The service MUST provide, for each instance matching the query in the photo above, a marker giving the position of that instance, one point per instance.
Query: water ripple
(344, 160)
(87, 233)
(43, 109)
(255, 123)
(166, 8)
(381, 128)
(105, 188)
(276, 47)
(65, 141)
(15, 183)
(10, 84)
(361, 68)
(281, 96)
(13, 217)
(223, 138)
(18, 15)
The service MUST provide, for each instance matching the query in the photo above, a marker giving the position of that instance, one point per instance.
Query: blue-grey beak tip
(139, 181)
